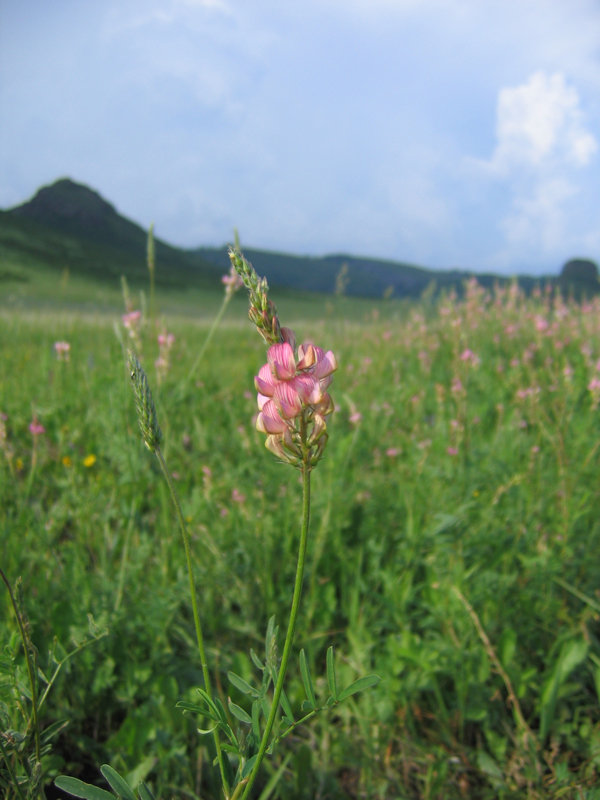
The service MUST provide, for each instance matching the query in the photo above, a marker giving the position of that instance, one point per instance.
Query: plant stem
(188, 557)
(125, 555)
(11, 774)
(289, 638)
(207, 341)
(30, 669)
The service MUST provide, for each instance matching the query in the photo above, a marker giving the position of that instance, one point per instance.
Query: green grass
(488, 489)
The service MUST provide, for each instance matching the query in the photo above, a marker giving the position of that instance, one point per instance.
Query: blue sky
(442, 132)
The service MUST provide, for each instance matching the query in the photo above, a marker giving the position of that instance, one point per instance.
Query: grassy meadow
(454, 546)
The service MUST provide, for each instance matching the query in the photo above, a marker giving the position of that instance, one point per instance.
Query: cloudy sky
(442, 132)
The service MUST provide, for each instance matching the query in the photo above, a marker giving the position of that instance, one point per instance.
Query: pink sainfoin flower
(36, 428)
(62, 350)
(238, 497)
(131, 320)
(293, 401)
(456, 387)
(163, 362)
(355, 418)
(232, 282)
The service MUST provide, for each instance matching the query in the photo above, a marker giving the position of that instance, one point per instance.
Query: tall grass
(454, 549)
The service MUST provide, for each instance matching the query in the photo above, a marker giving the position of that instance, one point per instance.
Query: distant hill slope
(68, 225)
(364, 277)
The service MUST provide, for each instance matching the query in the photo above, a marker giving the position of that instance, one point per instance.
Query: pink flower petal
(275, 445)
(325, 407)
(287, 400)
(261, 400)
(326, 363)
(308, 389)
(307, 356)
(282, 362)
(269, 420)
(264, 381)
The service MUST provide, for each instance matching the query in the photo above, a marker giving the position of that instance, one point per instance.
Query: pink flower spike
(282, 362)
(36, 428)
(264, 381)
(392, 452)
(355, 418)
(452, 451)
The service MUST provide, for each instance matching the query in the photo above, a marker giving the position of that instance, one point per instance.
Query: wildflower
(67, 462)
(594, 388)
(457, 387)
(392, 452)
(355, 418)
(163, 362)
(292, 396)
(89, 461)
(452, 451)
(131, 320)
(232, 282)
(469, 355)
(238, 497)
(62, 350)
(36, 428)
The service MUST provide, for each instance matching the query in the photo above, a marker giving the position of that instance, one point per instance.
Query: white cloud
(539, 121)
(542, 158)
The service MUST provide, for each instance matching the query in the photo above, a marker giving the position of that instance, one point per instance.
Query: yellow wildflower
(89, 461)
(67, 461)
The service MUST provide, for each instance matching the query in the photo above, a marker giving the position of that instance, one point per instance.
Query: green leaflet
(359, 685)
(80, 789)
(117, 783)
(307, 681)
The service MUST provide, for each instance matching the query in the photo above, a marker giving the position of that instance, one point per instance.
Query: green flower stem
(211, 333)
(289, 638)
(11, 774)
(188, 556)
(30, 666)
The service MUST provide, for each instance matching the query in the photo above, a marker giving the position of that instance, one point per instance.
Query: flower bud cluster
(293, 401)
(263, 312)
(144, 405)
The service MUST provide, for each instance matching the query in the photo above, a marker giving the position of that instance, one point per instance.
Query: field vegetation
(454, 545)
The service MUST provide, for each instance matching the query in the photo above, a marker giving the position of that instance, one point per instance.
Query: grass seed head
(144, 405)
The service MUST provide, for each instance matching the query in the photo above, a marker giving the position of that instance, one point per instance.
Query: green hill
(68, 226)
